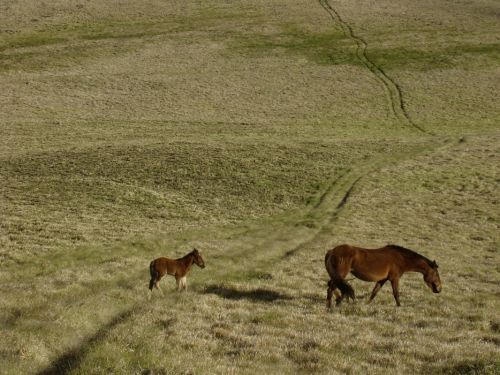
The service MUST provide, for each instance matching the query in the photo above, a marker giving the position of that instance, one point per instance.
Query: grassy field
(263, 133)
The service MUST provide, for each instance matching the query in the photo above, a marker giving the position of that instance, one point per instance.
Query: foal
(388, 263)
(175, 267)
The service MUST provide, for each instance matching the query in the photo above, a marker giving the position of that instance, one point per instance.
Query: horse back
(381, 263)
(166, 266)
(366, 264)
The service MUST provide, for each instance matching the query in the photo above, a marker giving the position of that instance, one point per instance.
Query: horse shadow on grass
(71, 359)
(255, 295)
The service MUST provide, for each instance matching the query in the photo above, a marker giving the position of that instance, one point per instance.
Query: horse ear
(434, 264)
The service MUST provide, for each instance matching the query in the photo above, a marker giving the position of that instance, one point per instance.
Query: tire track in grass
(336, 196)
(391, 88)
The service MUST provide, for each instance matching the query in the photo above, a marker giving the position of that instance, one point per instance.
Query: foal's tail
(154, 275)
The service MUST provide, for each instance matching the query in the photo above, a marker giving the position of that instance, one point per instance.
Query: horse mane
(186, 256)
(410, 254)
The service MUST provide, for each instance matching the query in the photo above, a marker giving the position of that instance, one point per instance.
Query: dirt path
(391, 88)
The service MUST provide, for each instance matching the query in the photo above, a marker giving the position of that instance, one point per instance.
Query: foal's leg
(157, 286)
(375, 290)
(155, 283)
(395, 291)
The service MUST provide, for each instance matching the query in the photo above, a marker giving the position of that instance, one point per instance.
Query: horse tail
(345, 288)
(154, 275)
(335, 280)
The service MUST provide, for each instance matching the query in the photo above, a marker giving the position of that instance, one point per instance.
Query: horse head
(198, 260)
(431, 277)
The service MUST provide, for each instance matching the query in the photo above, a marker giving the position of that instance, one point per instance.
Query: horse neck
(187, 261)
(419, 264)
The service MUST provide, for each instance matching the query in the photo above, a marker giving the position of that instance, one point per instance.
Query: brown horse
(380, 265)
(175, 267)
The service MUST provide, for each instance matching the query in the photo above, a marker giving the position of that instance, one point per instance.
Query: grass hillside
(263, 133)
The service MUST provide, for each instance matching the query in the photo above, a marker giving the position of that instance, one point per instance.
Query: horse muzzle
(436, 289)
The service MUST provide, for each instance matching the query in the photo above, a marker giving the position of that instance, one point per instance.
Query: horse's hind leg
(395, 290)
(332, 289)
(375, 290)
(329, 294)
(338, 297)
(157, 286)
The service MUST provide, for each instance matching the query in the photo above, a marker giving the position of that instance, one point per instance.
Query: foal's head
(198, 260)
(431, 277)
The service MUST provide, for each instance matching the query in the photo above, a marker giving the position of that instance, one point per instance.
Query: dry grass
(238, 128)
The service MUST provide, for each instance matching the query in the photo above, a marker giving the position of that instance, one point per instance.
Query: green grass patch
(31, 40)
(324, 48)
(66, 45)
(445, 58)
(472, 367)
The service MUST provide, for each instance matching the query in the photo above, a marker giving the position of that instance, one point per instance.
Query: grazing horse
(175, 267)
(379, 265)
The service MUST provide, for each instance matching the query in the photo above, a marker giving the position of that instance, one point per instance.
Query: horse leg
(329, 294)
(338, 267)
(184, 283)
(346, 290)
(151, 286)
(338, 297)
(332, 289)
(157, 286)
(377, 287)
(395, 291)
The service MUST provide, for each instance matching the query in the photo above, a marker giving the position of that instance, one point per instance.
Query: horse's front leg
(375, 290)
(395, 290)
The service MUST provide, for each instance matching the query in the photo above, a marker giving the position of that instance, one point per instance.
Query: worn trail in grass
(393, 91)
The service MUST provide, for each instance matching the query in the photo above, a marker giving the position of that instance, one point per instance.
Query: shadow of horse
(71, 359)
(256, 295)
